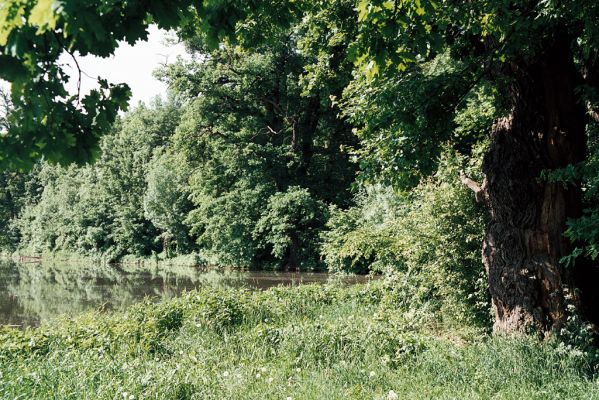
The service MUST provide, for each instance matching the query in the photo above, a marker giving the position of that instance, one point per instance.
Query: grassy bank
(307, 342)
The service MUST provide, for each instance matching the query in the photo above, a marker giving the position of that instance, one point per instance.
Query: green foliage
(304, 342)
(98, 209)
(395, 35)
(290, 227)
(254, 127)
(381, 37)
(356, 240)
(436, 98)
(432, 236)
(583, 232)
(48, 121)
(166, 202)
(5, 109)
(265, 141)
(17, 190)
(203, 170)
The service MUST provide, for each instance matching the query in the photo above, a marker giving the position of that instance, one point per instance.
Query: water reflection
(32, 293)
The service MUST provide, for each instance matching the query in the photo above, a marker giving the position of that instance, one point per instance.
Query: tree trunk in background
(293, 261)
(307, 130)
(524, 242)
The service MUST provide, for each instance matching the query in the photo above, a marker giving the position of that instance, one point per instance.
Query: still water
(33, 293)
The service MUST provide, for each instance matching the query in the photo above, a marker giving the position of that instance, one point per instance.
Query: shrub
(431, 237)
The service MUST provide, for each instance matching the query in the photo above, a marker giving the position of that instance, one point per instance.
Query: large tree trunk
(524, 242)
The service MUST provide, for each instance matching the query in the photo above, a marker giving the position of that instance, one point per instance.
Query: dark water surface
(32, 293)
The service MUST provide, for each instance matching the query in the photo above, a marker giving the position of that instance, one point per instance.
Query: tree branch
(479, 194)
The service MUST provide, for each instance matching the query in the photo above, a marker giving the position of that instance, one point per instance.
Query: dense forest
(451, 146)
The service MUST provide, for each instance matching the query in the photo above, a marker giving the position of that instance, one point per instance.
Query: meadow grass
(305, 342)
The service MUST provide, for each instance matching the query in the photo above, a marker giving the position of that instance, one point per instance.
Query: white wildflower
(392, 395)
(372, 374)
(226, 374)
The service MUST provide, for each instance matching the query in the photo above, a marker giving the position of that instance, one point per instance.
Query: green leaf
(11, 17)
(11, 69)
(363, 10)
(42, 15)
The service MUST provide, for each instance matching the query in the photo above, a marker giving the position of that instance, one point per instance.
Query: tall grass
(307, 342)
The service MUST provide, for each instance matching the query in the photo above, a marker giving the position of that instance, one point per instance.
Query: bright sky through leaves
(132, 65)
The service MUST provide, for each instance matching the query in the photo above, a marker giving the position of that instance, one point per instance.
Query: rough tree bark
(524, 241)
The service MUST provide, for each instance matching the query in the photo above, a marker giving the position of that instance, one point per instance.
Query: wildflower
(372, 374)
(270, 380)
(131, 397)
(298, 370)
(289, 398)
(392, 395)
(226, 374)
(125, 395)
(258, 375)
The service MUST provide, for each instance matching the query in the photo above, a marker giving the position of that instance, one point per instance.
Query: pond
(32, 293)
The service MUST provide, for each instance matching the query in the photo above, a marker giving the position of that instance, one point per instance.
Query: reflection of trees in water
(31, 292)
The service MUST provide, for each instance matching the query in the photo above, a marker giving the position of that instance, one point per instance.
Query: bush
(431, 237)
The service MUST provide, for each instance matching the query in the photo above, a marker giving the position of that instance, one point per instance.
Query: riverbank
(305, 342)
(31, 293)
(186, 260)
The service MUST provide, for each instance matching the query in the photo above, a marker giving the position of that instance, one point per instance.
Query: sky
(132, 65)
